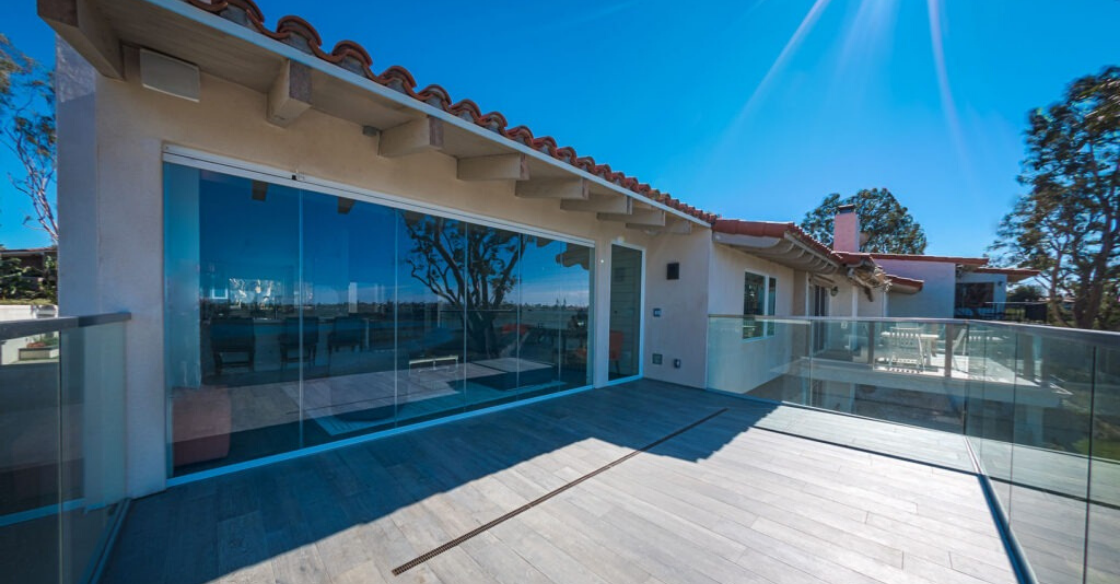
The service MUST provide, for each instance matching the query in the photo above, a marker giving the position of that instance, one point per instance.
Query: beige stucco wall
(111, 208)
(936, 298)
(735, 364)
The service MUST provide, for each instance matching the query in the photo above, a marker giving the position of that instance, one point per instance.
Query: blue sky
(751, 109)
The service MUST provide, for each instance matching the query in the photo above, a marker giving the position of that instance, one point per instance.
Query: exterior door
(624, 348)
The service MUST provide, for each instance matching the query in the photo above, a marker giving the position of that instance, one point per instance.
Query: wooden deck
(738, 498)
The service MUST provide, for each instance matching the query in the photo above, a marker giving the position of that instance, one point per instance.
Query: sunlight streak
(794, 42)
(947, 104)
(874, 19)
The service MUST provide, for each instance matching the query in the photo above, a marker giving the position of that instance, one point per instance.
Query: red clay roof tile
(297, 32)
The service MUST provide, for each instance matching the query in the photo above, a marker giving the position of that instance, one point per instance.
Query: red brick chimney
(845, 229)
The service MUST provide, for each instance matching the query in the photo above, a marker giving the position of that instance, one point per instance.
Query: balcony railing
(62, 475)
(1038, 408)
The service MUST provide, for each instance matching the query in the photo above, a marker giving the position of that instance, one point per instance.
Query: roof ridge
(352, 56)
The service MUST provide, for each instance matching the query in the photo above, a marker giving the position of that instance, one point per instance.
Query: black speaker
(673, 271)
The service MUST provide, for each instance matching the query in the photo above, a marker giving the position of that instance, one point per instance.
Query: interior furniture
(348, 332)
(201, 421)
(232, 343)
(292, 335)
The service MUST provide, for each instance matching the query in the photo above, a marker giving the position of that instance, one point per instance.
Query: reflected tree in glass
(436, 260)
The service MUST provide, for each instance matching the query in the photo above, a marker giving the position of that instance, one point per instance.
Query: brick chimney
(845, 229)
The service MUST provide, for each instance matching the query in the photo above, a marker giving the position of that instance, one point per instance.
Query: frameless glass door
(294, 317)
(624, 348)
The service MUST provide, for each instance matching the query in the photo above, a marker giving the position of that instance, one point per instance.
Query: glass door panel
(624, 349)
(555, 302)
(431, 255)
(349, 318)
(232, 317)
(492, 292)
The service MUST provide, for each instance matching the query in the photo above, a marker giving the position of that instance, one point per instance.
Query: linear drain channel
(401, 569)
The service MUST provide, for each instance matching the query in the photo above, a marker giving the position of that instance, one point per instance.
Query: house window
(974, 299)
(760, 297)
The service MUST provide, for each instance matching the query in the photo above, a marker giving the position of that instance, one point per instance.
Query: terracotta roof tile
(773, 229)
(351, 56)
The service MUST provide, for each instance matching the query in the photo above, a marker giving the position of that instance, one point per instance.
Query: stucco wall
(935, 300)
(735, 364)
(726, 280)
(111, 207)
(681, 330)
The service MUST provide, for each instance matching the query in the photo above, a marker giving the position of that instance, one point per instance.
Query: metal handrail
(14, 329)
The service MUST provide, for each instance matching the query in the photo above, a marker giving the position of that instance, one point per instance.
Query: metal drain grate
(401, 569)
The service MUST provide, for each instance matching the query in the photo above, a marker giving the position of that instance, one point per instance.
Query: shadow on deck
(741, 497)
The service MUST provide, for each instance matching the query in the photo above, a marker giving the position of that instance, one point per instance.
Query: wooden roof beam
(421, 135)
(638, 219)
(290, 94)
(81, 24)
(553, 188)
(600, 204)
(497, 167)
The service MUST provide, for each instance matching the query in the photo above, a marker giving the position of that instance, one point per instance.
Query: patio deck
(725, 501)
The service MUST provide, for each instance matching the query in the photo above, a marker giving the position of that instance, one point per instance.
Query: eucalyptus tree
(1068, 223)
(889, 226)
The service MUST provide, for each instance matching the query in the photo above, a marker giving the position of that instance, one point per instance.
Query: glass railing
(62, 475)
(1035, 410)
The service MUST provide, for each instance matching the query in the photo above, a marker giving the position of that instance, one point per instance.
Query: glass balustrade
(62, 456)
(1035, 410)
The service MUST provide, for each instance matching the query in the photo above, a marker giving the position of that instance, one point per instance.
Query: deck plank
(731, 500)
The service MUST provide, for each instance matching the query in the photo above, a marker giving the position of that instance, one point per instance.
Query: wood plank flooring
(727, 501)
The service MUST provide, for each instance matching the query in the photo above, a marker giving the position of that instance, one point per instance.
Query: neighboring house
(313, 252)
(32, 257)
(928, 286)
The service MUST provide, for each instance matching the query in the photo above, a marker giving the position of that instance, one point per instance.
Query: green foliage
(1025, 293)
(26, 285)
(1068, 224)
(27, 129)
(889, 226)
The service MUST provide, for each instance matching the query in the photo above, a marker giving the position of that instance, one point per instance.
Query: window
(974, 300)
(760, 297)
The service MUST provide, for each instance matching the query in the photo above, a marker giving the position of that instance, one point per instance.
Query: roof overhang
(781, 243)
(956, 260)
(1013, 274)
(903, 285)
(227, 46)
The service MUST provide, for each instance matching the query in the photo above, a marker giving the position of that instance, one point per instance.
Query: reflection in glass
(348, 343)
(555, 303)
(626, 312)
(430, 331)
(232, 247)
(1104, 486)
(296, 318)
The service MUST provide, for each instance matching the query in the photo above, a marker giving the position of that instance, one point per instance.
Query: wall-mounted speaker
(169, 75)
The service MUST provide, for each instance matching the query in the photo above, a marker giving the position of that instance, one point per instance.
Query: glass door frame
(641, 314)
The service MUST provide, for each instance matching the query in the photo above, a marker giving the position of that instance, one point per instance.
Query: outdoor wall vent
(169, 75)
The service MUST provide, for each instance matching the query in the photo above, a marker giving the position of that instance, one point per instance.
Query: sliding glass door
(295, 318)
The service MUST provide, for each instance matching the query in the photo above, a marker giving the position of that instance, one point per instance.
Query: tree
(1068, 224)
(1025, 293)
(889, 225)
(27, 128)
(467, 267)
